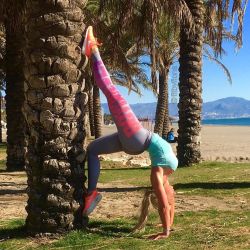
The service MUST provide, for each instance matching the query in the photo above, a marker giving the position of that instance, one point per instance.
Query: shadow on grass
(13, 173)
(13, 233)
(212, 185)
(5, 188)
(9, 191)
(109, 228)
(123, 189)
(128, 168)
(2, 166)
(3, 145)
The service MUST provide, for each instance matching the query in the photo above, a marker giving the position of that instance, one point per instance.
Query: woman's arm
(171, 200)
(163, 203)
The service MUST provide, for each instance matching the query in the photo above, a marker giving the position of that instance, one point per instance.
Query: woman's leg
(103, 145)
(134, 138)
(131, 137)
(125, 120)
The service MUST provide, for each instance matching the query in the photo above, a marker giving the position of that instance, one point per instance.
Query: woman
(131, 138)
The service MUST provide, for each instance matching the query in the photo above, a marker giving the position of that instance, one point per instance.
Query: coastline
(243, 121)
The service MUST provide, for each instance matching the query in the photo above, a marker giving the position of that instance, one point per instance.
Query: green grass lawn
(193, 230)
(209, 229)
(209, 178)
(2, 165)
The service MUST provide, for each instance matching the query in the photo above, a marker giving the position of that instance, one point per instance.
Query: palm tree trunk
(14, 98)
(166, 123)
(55, 110)
(97, 112)
(1, 132)
(91, 113)
(190, 104)
(2, 70)
(89, 86)
(162, 101)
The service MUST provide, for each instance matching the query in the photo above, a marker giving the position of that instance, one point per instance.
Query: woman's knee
(92, 148)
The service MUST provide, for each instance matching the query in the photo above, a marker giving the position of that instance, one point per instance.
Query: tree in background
(154, 25)
(89, 88)
(2, 72)
(190, 85)
(14, 78)
(97, 112)
(121, 57)
(166, 51)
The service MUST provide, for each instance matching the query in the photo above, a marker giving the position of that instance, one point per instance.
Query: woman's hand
(159, 236)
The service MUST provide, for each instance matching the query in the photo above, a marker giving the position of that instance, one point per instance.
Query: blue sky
(215, 83)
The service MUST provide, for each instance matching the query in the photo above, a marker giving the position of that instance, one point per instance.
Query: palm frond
(217, 12)
(208, 55)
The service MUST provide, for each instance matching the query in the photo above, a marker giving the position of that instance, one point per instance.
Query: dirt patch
(13, 195)
(122, 201)
(119, 200)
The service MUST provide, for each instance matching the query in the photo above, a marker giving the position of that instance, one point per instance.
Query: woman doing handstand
(131, 138)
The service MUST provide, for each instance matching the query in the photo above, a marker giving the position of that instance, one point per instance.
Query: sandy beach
(218, 143)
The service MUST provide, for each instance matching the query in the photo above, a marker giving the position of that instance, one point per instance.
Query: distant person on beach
(131, 138)
(171, 138)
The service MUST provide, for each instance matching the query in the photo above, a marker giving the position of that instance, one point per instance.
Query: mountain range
(230, 107)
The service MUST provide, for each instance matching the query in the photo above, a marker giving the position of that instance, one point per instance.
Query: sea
(229, 122)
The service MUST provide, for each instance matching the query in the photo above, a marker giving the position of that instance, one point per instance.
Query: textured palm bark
(1, 132)
(89, 87)
(162, 101)
(166, 123)
(15, 98)
(2, 69)
(91, 113)
(190, 104)
(97, 112)
(55, 110)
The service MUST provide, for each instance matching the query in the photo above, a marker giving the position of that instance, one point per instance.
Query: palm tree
(154, 25)
(56, 113)
(14, 82)
(190, 86)
(97, 112)
(94, 106)
(123, 62)
(2, 53)
(166, 50)
(2, 72)
(14, 97)
(189, 15)
(89, 86)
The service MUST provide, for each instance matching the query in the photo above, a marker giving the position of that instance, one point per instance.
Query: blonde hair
(148, 198)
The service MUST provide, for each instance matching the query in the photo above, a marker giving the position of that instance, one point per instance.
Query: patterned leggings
(131, 137)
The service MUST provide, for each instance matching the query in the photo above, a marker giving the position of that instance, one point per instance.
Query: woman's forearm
(171, 200)
(172, 211)
(164, 213)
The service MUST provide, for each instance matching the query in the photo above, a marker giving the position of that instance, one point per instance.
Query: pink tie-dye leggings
(131, 136)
